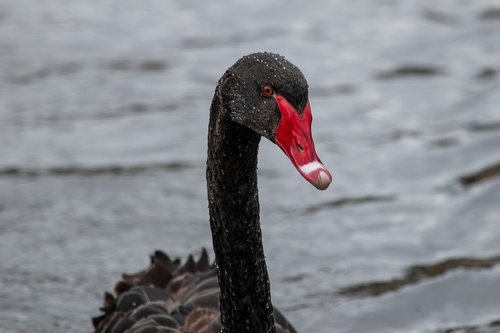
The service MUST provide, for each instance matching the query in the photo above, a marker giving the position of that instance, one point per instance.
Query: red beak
(294, 137)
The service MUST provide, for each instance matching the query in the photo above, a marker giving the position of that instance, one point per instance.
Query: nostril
(299, 147)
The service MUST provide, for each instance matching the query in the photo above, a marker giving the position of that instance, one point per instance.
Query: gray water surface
(103, 117)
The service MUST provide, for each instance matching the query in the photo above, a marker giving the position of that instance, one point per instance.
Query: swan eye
(267, 90)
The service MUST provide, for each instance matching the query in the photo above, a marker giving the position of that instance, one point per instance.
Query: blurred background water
(103, 117)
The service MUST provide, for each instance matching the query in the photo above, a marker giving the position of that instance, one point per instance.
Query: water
(103, 117)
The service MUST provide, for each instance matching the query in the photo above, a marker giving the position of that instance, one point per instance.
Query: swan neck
(245, 298)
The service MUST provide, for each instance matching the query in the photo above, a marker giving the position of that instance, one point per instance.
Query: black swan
(262, 94)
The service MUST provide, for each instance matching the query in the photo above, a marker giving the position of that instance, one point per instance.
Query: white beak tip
(323, 181)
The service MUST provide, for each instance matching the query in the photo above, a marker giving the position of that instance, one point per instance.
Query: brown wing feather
(168, 297)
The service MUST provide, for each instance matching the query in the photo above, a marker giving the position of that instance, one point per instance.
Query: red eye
(267, 90)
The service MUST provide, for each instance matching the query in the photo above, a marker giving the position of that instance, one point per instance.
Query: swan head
(269, 95)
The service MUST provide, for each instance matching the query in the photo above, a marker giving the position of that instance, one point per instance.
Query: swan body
(261, 95)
